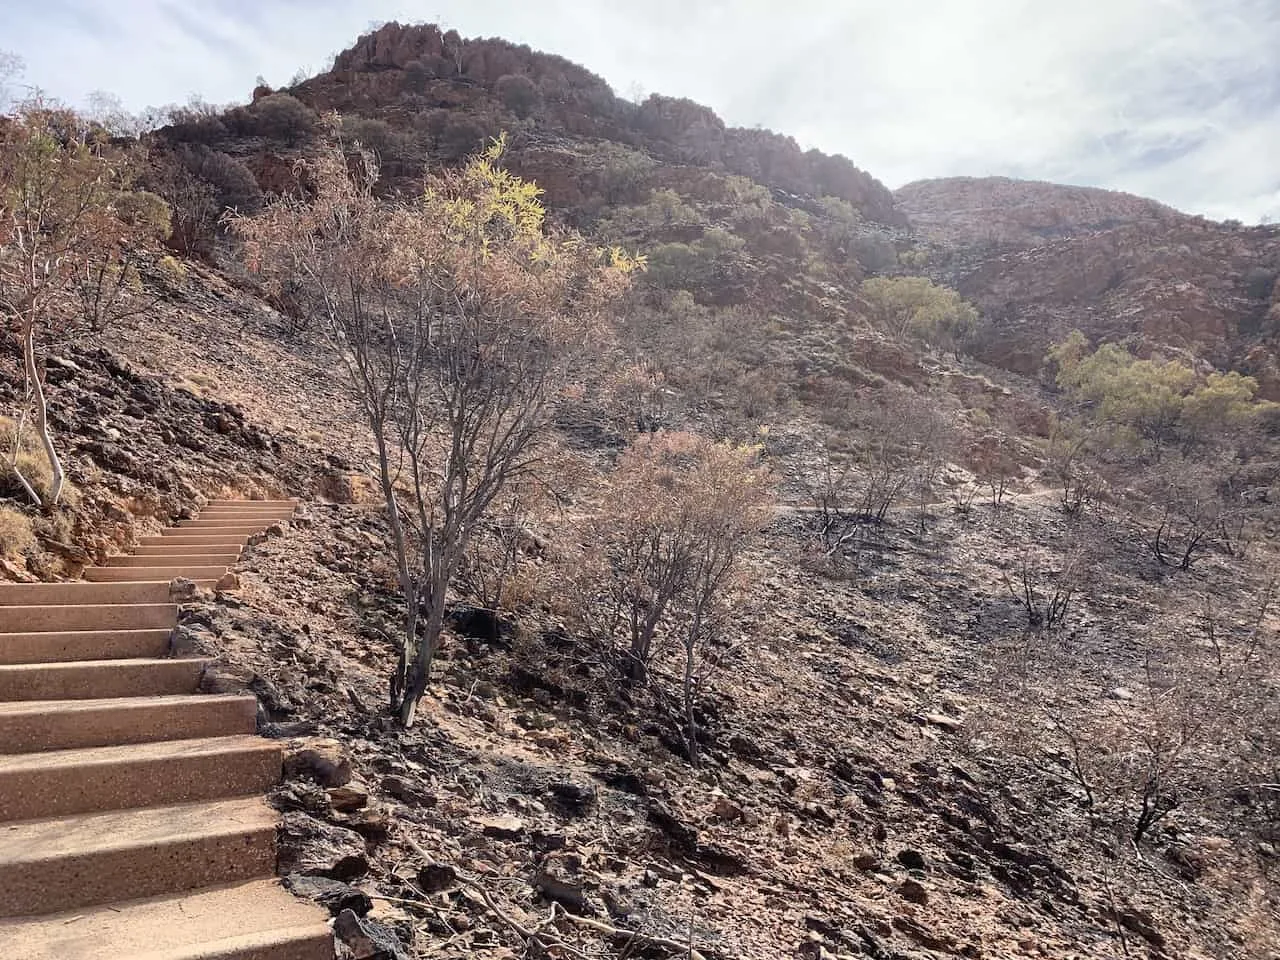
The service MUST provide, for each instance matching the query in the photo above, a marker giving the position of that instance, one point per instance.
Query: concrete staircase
(132, 824)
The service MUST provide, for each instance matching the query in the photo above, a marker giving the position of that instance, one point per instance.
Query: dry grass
(16, 536)
(30, 460)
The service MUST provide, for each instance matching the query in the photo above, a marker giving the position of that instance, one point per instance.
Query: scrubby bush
(23, 460)
(518, 93)
(197, 122)
(689, 265)
(280, 116)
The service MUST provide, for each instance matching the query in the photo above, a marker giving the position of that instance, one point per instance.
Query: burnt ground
(863, 792)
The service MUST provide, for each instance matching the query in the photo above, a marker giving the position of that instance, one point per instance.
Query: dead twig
(632, 937)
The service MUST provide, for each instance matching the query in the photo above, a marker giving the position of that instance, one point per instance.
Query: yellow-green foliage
(16, 536)
(173, 270)
(145, 211)
(1153, 400)
(914, 259)
(30, 460)
(917, 307)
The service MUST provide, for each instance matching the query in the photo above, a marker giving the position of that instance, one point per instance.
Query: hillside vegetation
(707, 552)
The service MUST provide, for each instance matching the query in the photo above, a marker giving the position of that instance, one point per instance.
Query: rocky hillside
(901, 758)
(1042, 259)
(1000, 212)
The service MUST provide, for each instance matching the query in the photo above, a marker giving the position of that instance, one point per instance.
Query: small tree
(916, 307)
(457, 316)
(663, 557)
(1144, 405)
(66, 216)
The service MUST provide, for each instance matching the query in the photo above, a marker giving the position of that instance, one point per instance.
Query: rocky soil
(859, 795)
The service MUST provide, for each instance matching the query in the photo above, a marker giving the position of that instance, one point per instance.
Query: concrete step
(204, 575)
(33, 594)
(99, 679)
(59, 864)
(218, 513)
(238, 529)
(177, 538)
(58, 783)
(196, 556)
(257, 920)
(89, 616)
(54, 647)
(255, 503)
(28, 726)
(245, 527)
(168, 547)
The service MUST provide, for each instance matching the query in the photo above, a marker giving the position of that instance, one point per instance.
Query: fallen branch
(542, 940)
(546, 942)
(630, 937)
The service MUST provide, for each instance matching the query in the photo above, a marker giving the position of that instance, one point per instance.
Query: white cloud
(1175, 99)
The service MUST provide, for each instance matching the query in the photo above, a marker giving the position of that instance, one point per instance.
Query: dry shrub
(16, 536)
(660, 572)
(29, 459)
(1180, 732)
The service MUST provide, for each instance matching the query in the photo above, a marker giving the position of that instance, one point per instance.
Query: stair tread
(258, 912)
(23, 707)
(124, 632)
(154, 751)
(34, 841)
(72, 665)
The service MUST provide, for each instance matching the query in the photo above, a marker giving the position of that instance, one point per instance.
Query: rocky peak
(394, 45)
(398, 70)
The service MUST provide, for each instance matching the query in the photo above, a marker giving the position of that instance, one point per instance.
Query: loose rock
(318, 759)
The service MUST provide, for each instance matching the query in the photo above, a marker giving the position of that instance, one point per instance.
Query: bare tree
(11, 68)
(994, 465)
(456, 316)
(1065, 464)
(1185, 510)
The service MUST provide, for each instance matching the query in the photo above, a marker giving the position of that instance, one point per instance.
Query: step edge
(153, 752)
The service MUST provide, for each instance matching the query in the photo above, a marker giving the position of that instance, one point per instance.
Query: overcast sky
(1173, 99)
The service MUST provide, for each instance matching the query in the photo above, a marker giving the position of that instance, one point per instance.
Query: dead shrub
(1178, 732)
